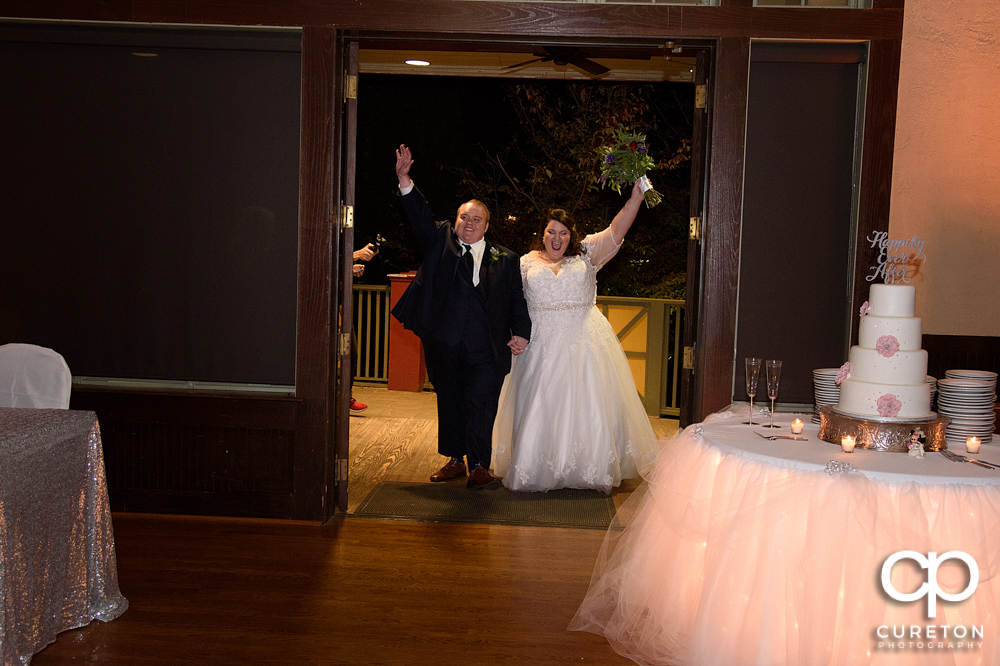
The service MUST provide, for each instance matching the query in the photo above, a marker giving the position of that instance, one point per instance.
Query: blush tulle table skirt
(729, 555)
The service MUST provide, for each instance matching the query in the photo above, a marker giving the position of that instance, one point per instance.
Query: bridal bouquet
(627, 161)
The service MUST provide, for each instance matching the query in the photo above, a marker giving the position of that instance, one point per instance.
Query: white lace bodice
(570, 284)
(569, 414)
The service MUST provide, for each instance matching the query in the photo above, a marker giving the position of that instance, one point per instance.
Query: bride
(569, 413)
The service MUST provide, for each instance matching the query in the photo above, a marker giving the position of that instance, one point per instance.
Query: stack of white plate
(825, 389)
(982, 375)
(968, 397)
(933, 384)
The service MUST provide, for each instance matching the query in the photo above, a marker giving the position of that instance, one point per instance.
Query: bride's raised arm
(626, 216)
(605, 244)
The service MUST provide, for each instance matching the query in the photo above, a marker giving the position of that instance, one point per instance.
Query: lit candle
(797, 426)
(972, 444)
(847, 444)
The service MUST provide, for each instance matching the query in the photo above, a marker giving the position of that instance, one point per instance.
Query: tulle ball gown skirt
(570, 415)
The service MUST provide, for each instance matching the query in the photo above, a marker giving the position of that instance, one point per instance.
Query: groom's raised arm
(417, 209)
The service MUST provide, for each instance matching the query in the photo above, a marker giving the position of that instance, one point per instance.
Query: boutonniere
(495, 255)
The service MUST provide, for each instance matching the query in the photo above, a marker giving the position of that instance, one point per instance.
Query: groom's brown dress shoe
(481, 479)
(453, 469)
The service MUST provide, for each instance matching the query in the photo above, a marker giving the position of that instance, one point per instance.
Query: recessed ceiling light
(417, 63)
(145, 55)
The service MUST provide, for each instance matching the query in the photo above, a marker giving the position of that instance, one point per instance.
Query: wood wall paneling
(316, 360)
(197, 454)
(492, 18)
(961, 352)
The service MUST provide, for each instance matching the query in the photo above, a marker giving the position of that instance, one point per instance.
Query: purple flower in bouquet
(864, 308)
(843, 373)
(887, 345)
(626, 161)
(889, 405)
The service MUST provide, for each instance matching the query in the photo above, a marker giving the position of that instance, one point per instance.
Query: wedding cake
(886, 373)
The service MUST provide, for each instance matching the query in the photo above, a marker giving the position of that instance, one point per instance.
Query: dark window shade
(795, 262)
(151, 202)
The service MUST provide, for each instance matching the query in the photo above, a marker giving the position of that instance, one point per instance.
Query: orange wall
(946, 168)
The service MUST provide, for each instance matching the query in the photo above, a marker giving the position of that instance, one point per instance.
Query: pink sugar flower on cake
(887, 345)
(843, 373)
(889, 405)
(864, 308)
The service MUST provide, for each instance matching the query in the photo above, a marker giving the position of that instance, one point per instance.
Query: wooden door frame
(338, 454)
(731, 25)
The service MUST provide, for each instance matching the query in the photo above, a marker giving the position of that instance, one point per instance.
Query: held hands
(358, 270)
(517, 344)
(404, 160)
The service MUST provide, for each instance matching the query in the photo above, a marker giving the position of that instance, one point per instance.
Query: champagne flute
(753, 374)
(773, 375)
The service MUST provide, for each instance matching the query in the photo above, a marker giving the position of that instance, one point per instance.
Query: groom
(467, 306)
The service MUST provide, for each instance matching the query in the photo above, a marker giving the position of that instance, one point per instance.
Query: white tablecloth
(739, 550)
(58, 569)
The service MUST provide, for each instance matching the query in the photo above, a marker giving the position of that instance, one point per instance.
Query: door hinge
(701, 96)
(345, 344)
(689, 358)
(694, 229)
(340, 470)
(351, 87)
(346, 216)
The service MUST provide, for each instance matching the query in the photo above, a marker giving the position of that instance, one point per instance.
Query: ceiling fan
(566, 55)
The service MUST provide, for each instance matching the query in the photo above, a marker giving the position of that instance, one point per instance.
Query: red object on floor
(358, 406)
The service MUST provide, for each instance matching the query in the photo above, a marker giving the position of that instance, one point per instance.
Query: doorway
(397, 438)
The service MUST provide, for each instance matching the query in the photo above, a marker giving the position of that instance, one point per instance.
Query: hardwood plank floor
(395, 439)
(221, 591)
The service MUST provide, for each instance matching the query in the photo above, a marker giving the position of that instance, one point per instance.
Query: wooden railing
(649, 330)
(371, 328)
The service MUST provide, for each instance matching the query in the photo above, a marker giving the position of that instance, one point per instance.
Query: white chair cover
(33, 376)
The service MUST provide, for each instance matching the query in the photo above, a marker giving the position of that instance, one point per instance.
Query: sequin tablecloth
(57, 550)
(741, 551)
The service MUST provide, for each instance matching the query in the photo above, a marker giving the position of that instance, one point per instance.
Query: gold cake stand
(881, 434)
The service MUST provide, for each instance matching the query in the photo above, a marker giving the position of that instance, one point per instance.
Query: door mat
(454, 503)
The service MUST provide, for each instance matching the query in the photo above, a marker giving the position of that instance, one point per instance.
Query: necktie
(469, 260)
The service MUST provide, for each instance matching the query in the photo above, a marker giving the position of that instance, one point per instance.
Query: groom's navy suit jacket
(436, 303)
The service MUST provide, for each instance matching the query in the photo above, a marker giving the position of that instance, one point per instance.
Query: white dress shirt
(478, 248)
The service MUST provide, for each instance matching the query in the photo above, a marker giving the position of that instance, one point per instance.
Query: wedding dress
(569, 413)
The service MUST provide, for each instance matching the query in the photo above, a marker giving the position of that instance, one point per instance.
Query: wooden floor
(395, 439)
(220, 591)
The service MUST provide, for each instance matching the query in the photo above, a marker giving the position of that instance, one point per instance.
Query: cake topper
(893, 257)
(917, 441)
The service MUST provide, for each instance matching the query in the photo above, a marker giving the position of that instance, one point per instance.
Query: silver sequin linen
(57, 551)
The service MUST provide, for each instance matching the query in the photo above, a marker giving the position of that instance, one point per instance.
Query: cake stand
(881, 434)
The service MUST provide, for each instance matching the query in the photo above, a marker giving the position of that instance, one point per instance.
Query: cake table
(740, 550)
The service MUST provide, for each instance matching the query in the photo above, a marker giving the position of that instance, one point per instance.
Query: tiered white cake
(887, 375)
